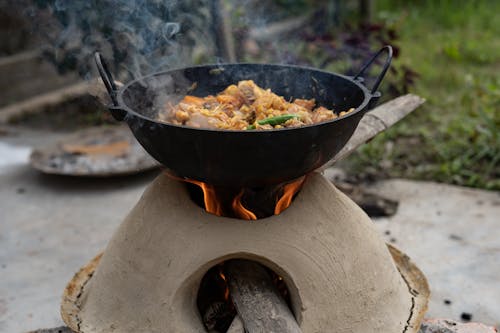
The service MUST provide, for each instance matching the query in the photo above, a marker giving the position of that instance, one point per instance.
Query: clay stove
(340, 275)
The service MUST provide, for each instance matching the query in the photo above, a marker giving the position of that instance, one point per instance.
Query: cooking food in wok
(245, 106)
(243, 158)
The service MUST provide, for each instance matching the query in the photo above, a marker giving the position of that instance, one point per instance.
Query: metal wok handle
(115, 109)
(386, 48)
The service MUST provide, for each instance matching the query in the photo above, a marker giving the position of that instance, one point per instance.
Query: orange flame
(215, 206)
(241, 211)
(212, 205)
(226, 290)
(289, 191)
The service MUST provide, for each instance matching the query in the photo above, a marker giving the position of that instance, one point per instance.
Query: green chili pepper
(273, 121)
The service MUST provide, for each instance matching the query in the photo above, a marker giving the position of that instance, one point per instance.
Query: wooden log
(376, 121)
(257, 300)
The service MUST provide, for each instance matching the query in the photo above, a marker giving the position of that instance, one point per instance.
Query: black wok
(243, 158)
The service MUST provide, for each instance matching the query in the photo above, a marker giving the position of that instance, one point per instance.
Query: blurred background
(445, 51)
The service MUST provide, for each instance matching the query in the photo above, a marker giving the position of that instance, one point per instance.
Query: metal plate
(417, 286)
(95, 152)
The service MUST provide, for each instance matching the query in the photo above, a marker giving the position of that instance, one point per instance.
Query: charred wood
(257, 300)
(372, 203)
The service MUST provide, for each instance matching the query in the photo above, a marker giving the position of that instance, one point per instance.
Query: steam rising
(140, 37)
(137, 37)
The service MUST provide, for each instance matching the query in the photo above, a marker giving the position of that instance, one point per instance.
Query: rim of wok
(358, 82)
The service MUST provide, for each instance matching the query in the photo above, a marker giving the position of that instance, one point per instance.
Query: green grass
(454, 138)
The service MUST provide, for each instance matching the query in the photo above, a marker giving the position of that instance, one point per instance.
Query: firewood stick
(376, 121)
(257, 300)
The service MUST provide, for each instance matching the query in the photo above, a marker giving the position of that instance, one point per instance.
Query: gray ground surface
(453, 234)
(50, 226)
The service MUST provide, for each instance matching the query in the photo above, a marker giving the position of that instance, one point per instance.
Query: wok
(243, 158)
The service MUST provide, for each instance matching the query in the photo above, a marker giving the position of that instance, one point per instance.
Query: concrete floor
(453, 234)
(50, 226)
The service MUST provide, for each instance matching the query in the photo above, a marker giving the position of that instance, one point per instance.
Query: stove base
(340, 275)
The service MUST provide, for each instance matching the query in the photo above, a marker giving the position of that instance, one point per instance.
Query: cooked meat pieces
(245, 106)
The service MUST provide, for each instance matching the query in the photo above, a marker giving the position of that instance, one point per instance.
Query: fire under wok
(243, 158)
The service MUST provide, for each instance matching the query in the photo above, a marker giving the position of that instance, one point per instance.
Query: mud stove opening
(214, 301)
(248, 203)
